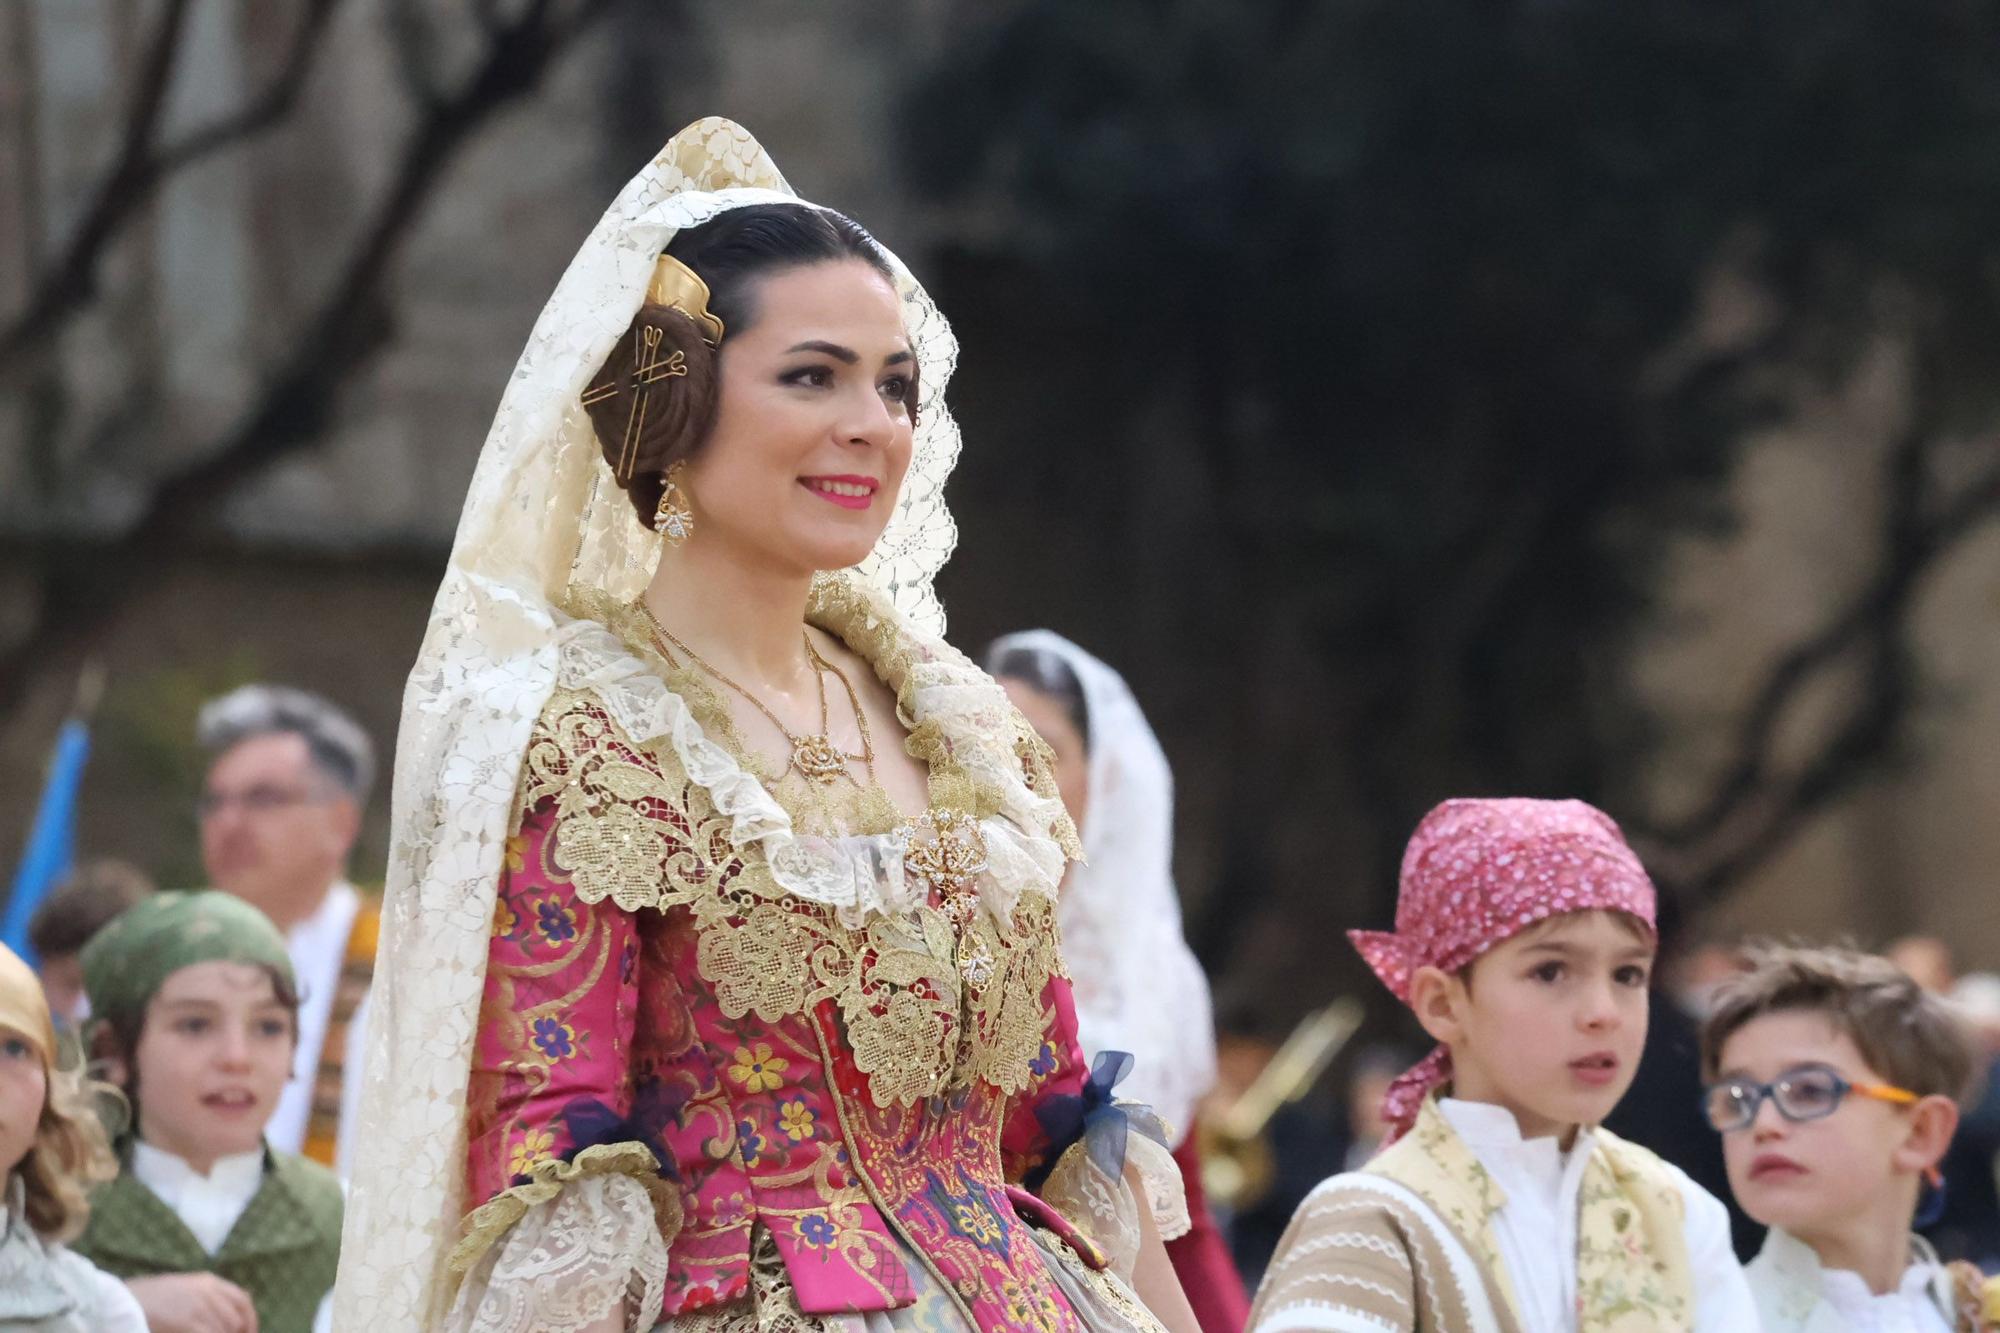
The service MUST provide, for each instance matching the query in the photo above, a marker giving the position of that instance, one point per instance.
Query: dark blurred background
(1412, 398)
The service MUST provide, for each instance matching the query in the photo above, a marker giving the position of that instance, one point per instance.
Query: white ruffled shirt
(1535, 1231)
(209, 1206)
(48, 1288)
(1797, 1294)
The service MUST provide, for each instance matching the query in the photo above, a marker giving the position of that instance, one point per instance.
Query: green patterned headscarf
(127, 962)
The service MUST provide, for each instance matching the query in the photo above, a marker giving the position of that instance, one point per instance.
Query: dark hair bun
(645, 428)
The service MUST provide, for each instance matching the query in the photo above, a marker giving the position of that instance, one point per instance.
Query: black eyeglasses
(1811, 1093)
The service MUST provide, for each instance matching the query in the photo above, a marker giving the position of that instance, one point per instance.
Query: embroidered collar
(959, 721)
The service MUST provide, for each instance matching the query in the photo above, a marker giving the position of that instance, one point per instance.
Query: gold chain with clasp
(815, 756)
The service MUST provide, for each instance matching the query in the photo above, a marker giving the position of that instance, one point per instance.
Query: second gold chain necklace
(816, 756)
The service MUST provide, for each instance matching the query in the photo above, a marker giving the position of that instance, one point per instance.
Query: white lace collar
(936, 686)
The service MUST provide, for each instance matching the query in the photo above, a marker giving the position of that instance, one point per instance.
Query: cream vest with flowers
(1632, 1272)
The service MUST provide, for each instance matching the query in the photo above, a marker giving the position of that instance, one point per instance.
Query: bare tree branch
(264, 110)
(413, 37)
(1759, 802)
(83, 586)
(142, 167)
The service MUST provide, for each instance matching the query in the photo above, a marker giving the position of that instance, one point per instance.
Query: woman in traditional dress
(1138, 986)
(719, 985)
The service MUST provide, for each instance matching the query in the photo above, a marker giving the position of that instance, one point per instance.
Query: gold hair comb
(675, 284)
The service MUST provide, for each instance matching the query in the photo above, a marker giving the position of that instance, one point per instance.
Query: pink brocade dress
(833, 1112)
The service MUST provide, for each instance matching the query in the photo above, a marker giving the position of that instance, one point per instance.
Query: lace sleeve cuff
(546, 1180)
(1166, 1192)
(1106, 1207)
(578, 1241)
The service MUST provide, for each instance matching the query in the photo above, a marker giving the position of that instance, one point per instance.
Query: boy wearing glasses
(1832, 1082)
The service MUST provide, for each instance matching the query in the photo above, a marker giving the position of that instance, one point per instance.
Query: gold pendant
(975, 964)
(816, 757)
(947, 851)
(951, 857)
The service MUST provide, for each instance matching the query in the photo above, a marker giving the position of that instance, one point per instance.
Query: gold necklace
(815, 756)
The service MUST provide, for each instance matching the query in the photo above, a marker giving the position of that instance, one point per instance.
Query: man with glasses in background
(288, 778)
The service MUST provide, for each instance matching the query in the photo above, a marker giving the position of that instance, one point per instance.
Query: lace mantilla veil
(543, 518)
(1138, 987)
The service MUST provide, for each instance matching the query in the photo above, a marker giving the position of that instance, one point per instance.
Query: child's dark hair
(730, 252)
(84, 904)
(1907, 1035)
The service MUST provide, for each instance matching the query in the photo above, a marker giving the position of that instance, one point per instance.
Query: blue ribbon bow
(1094, 1117)
(593, 1123)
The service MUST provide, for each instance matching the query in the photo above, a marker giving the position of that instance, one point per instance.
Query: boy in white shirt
(1832, 1079)
(1524, 942)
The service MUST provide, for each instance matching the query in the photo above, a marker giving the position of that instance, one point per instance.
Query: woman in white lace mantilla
(719, 983)
(1138, 986)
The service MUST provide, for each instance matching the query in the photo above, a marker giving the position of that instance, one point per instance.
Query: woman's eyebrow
(846, 355)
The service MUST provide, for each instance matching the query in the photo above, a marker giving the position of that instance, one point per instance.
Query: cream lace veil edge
(1138, 985)
(542, 516)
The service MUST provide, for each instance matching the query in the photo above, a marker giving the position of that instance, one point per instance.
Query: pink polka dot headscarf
(1478, 872)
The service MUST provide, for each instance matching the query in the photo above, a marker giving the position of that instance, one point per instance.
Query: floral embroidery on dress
(756, 1069)
(554, 1039)
(556, 922)
(531, 1148)
(796, 1119)
(749, 1142)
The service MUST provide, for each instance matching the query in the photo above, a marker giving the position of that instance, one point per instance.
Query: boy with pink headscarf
(1524, 943)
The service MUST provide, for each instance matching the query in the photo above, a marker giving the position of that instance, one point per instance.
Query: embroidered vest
(282, 1251)
(357, 970)
(1632, 1272)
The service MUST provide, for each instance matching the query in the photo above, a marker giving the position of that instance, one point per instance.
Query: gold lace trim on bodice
(631, 826)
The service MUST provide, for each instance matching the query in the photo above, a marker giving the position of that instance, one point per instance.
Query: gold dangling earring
(674, 520)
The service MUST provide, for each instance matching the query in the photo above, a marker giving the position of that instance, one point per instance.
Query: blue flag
(52, 842)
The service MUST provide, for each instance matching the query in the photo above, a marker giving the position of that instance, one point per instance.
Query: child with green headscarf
(194, 1011)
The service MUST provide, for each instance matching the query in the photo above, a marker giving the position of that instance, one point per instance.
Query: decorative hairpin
(676, 285)
(648, 369)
